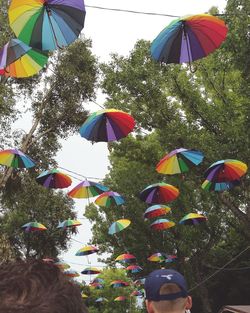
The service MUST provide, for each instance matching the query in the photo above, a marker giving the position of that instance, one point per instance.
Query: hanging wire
(130, 11)
(219, 270)
(85, 177)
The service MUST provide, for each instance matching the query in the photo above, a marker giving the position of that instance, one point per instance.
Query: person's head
(166, 292)
(37, 287)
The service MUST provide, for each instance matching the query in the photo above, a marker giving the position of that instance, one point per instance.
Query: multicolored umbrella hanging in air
(87, 189)
(120, 298)
(107, 125)
(118, 226)
(157, 257)
(71, 273)
(179, 161)
(193, 219)
(19, 60)
(159, 193)
(224, 174)
(69, 223)
(126, 258)
(156, 211)
(87, 250)
(101, 299)
(108, 198)
(188, 39)
(47, 24)
(96, 285)
(33, 226)
(15, 158)
(91, 271)
(136, 293)
(98, 280)
(118, 283)
(54, 179)
(133, 269)
(62, 265)
(162, 224)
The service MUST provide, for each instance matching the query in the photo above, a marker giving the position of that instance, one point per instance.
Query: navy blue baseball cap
(158, 278)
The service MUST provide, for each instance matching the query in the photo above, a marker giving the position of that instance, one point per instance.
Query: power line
(220, 269)
(130, 11)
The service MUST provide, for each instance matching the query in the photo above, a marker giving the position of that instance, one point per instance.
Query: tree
(207, 110)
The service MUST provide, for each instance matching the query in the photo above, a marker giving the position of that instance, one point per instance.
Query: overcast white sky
(115, 32)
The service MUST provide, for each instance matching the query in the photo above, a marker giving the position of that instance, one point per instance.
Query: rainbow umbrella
(15, 158)
(136, 293)
(118, 226)
(47, 24)
(33, 226)
(171, 258)
(133, 269)
(157, 257)
(48, 260)
(118, 283)
(98, 280)
(159, 193)
(179, 161)
(162, 224)
(62, 265)
(188, 39)
(101, 299)
(87, 189)
(108, 198)
(69, 223)
(107, 125)
(126, 258)
(71, 273)
(19, 60)
(87, 250)
(156, 211)
(120, 298)
(224, 174)
(140, 281)
(54, 179)
(91, 270)
(96, 285)
(192, 219)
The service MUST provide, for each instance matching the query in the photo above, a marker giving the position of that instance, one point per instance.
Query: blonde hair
(163, 306)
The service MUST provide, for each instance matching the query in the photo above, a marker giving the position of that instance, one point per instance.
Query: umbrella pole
(188, 49)
(53, 31)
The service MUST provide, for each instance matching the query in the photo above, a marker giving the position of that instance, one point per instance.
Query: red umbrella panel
(156, 211)
(159, 193)
(118, 283)
(126, 258)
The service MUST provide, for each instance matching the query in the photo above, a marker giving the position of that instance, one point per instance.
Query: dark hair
(37, 287)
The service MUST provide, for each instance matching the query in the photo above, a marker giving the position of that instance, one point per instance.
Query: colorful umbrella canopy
(136, 293)
(71, 273)
(120, 298)
(87, 189)
(133, 269)
(107, 125)
(62, 265)
(118, 226)
(91, 270)
(69, 223)
(84, 296)
(192, 219)
(33, 226)
(118, 283)
(87, 250)
(156, 211)
(188, 39)
(15, 158)
(126, 258)
(162, 224)
(225, 171)
(98, 280)
(159, 193)
(222, 186)
(47, 24)
(96, 285)
(54, 179)
(179, 161)
(140, 281)
(108, 198)
(19, 60)
(170, 258)
(101, 299)
(157, 257)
